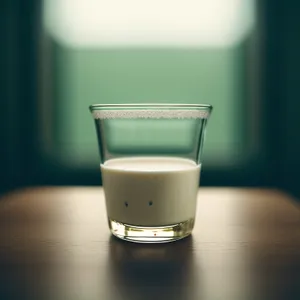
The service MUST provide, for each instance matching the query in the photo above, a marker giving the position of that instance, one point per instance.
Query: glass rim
(176, 106)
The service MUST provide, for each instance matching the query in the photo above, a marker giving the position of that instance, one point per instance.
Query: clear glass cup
(150, 163)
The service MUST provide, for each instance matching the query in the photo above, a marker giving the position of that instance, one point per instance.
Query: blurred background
(59, 56)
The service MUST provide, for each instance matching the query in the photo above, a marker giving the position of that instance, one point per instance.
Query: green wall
(85, 77)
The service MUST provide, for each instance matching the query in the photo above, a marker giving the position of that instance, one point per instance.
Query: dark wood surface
(55, 244)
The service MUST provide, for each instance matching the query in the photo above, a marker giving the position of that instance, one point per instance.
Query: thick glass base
(160, 234)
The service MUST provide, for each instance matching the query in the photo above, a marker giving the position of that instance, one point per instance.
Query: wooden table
(55, 244)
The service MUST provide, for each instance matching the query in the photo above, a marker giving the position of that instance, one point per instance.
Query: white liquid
(150, 191)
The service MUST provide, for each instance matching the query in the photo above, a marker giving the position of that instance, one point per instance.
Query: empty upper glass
(150, 163)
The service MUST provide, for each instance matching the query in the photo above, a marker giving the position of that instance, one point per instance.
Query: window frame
(38, 167)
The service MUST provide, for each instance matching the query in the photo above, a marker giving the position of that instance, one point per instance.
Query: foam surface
(150, 164)
(150, 114)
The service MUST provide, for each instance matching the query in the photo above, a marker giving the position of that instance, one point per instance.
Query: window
(164, 51)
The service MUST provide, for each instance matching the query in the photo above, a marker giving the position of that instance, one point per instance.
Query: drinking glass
(150, 164)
